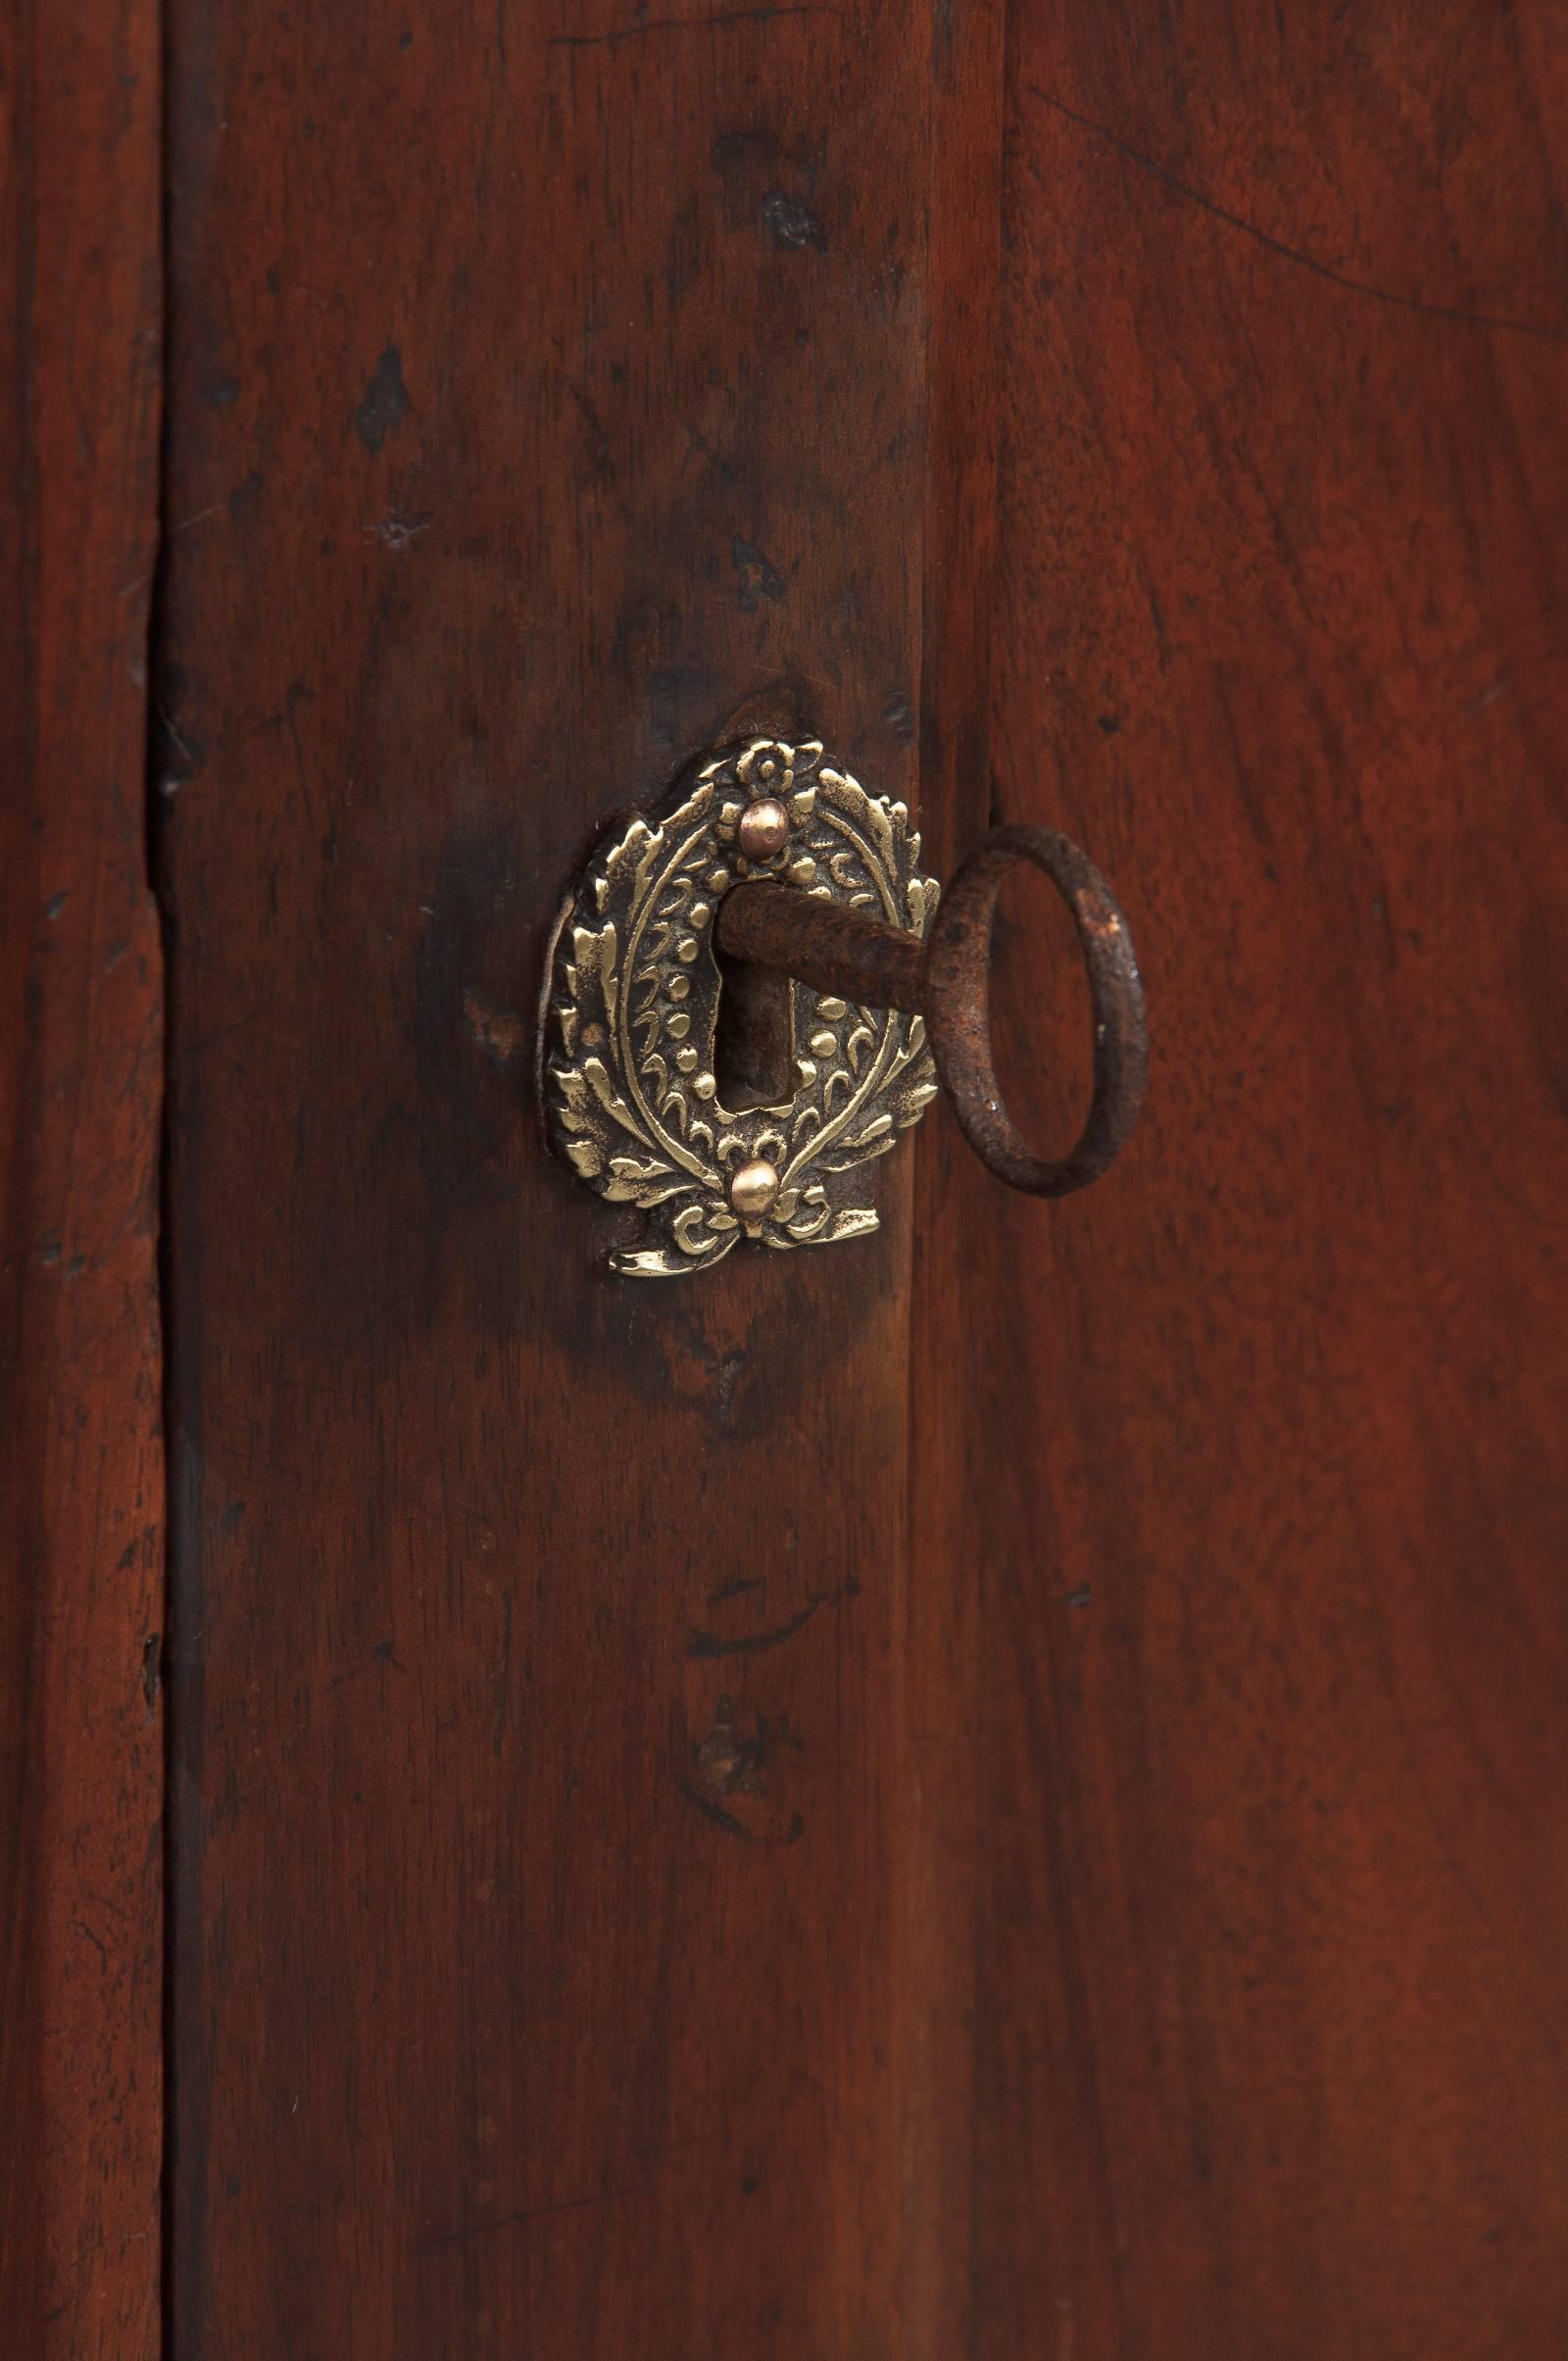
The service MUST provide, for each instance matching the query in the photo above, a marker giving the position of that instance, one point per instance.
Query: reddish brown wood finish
(993, 1793)
(547, 389)
(936, 1768)
(80, 1467)
(1265, 1436)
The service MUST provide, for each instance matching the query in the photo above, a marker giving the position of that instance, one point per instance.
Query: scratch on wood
(632, 32)
(396, 531)
(709, 1643)
(733, 1590)
(530, 2213)
(1294, 254)
(715, 1812)
(790, 222)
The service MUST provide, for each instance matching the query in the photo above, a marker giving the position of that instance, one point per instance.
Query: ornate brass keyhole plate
(632, 997)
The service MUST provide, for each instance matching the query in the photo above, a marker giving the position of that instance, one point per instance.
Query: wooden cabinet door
(1270, 1428)
(994, 1789)
(560, 1953)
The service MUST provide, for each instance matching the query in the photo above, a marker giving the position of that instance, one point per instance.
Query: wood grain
(80, 1472)
(548, 395)
(995, 1791)
(1263, 1436)
(936, 1767)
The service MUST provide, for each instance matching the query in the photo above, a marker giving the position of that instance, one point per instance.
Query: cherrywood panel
(80, 1467)
(936, 1770)
(548, 393)
(1264, 1435)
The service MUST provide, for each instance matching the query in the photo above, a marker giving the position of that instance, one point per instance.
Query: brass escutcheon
(631, 1095)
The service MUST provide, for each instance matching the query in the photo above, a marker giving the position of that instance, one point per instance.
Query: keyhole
(753, 1036)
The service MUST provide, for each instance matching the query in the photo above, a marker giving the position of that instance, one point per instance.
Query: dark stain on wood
(384, 403)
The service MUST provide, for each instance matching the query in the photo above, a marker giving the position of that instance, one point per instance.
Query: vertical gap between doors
(154, 808)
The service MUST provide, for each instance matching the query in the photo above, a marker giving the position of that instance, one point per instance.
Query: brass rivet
(753, 1188)
(763, 830)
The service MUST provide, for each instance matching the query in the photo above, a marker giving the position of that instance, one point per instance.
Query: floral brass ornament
(632, 1000)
